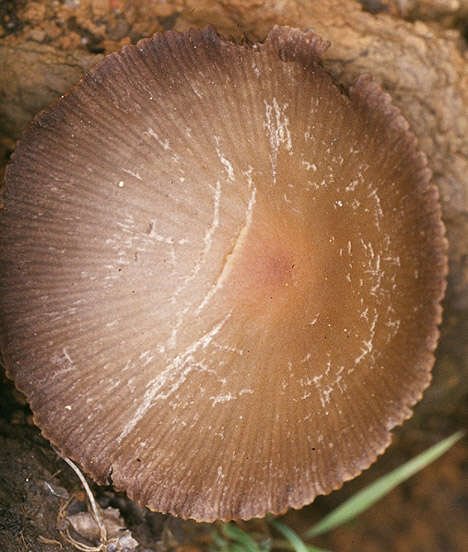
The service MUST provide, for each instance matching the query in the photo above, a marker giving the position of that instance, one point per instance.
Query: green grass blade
(236, 534)
(293, 539)
(218, 541)
(375, 491)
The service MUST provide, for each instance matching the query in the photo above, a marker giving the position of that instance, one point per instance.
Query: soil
(418, 51)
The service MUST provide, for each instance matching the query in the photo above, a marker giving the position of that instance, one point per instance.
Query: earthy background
(418, 51)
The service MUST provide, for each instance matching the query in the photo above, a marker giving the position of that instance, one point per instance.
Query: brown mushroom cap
(220, 274)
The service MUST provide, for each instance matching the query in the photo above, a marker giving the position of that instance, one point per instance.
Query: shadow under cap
(220, 275)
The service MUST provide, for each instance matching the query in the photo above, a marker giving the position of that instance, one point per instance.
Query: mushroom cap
(221, 274)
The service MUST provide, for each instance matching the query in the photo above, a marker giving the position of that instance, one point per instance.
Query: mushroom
(221, 273)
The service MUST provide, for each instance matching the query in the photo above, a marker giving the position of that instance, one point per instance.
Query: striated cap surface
(220, 274)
